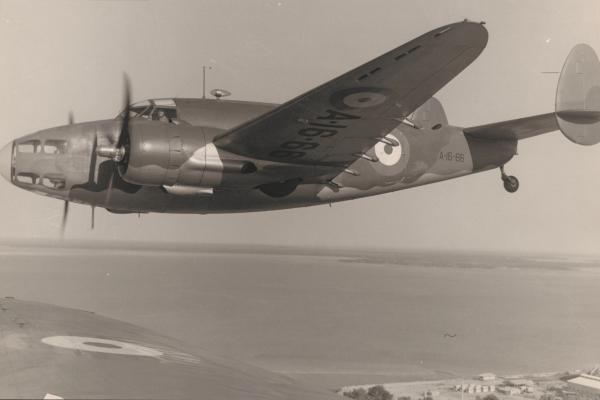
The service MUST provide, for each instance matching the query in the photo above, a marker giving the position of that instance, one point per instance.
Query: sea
(332, 317)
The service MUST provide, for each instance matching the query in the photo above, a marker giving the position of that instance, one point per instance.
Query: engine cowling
(165, 154)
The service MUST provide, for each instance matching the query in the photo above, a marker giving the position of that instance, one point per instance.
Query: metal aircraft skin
(373, 130)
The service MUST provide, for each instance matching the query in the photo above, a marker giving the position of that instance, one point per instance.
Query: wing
(518, 129)
(53, 351)
(335, 122)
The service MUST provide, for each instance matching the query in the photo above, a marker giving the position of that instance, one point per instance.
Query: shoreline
(514, 386)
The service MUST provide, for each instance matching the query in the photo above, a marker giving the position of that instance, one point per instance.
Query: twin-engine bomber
(373, 130)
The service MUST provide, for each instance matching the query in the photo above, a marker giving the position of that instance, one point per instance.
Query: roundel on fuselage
(392, 160)
(386, 153)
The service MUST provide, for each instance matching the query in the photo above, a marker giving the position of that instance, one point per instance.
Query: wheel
(511, 184)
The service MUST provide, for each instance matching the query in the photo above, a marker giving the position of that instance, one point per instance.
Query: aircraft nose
(6, 161)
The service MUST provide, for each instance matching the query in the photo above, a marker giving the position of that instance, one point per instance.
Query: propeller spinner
(118, 152)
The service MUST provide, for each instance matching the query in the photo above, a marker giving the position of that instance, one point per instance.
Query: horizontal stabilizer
(578, 96)
(515, 129)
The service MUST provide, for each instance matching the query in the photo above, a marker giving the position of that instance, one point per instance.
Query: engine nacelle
(165, 154)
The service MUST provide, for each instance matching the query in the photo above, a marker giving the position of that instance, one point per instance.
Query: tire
(511, 184)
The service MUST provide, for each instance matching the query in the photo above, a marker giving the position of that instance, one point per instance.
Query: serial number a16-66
(310, 135)
(450, 156)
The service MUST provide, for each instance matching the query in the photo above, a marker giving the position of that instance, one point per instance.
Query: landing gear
(511, 183)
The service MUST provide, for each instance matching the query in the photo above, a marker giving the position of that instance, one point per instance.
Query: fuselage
(178, 169)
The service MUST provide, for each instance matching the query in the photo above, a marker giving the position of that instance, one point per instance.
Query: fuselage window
(26, 177)
(30, 146)
(55, 146)
(53, 182)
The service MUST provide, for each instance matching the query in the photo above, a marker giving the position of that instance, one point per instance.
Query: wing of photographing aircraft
(337, 122)
(55, 352)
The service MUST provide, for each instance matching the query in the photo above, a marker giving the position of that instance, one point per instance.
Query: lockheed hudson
(373, 130)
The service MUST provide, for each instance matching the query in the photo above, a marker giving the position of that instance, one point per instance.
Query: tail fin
(578, 96)
(430, 114)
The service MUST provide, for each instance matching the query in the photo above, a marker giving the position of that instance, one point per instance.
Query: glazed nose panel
(53, 160)
(6, 158)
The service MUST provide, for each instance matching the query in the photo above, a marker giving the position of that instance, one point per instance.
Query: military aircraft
(373, 130)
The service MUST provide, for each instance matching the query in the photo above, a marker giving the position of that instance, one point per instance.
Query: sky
(61, 56)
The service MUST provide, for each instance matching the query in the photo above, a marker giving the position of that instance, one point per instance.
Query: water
(333, 317)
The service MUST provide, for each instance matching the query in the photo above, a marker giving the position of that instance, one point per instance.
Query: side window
(54, 182)
(28, 178)
(55, 146)
(30, 146)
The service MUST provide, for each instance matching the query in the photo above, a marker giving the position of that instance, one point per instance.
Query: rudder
(578, 96)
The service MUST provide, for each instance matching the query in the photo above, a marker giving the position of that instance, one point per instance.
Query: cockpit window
(165, 114)
(157, 110)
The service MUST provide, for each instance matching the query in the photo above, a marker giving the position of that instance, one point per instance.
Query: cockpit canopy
(155, 109)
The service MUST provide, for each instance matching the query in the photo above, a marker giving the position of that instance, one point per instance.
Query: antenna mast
(204, 67)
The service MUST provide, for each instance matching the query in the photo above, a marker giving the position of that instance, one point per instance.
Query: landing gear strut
(511, 183)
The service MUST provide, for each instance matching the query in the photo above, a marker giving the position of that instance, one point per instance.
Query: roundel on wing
(361, 98)
(364, 99)
(101, 345)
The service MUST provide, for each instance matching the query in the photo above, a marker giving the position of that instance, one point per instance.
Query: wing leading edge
(335, 122)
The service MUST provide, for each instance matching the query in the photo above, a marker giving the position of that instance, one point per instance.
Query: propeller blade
(93, 216)
(124, 135)
(119, 153)
(109, 188)
(63, 224)
(93, 158)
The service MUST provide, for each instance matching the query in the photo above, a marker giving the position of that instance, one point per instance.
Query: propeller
(93, 216)
(63, 224)
(65, 214)
(118, 152)
(124, 136)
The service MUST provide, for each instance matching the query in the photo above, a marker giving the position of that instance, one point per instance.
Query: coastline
(517, 386)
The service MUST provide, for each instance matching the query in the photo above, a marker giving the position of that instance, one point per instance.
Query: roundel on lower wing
(387, 154)
(99, 345)
(364, 99)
